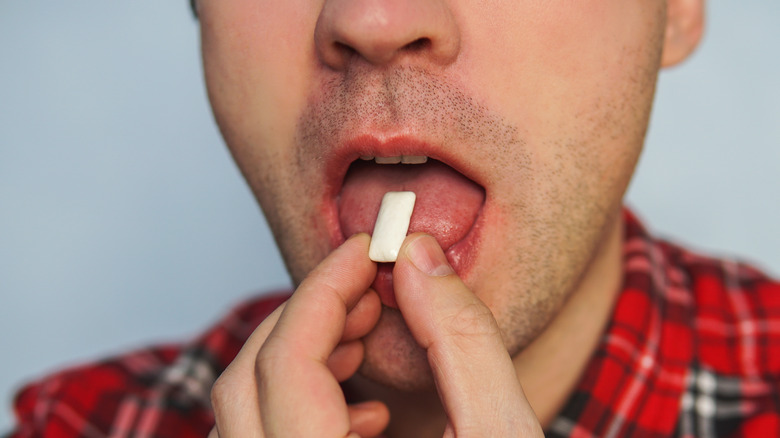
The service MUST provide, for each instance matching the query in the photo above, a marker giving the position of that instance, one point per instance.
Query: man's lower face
(520, 200)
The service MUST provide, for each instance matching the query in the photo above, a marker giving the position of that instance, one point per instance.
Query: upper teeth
(405, 159)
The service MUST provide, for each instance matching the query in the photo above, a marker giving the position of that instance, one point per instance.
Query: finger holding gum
(391, 226)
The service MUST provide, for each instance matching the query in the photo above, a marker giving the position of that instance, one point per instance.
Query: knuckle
(270, 361)
(223, 391)
(473, 321)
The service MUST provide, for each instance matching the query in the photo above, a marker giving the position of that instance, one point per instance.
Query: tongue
(447, 202)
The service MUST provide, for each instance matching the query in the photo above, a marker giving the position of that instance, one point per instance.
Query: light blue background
(123, 221)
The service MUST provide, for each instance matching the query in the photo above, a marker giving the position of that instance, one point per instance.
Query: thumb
(474, 374)
(436, 304)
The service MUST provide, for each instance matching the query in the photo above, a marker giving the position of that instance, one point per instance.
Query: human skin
(543, 104)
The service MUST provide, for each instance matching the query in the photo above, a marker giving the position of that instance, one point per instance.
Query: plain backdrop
(123, 221)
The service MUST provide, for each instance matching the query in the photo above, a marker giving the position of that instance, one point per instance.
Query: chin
(393, 358)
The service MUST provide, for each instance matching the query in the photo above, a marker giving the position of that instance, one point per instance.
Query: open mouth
(448, 206)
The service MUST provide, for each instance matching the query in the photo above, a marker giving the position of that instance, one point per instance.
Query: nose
(384, 31)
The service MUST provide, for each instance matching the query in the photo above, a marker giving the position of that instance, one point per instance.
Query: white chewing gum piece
(391, 226)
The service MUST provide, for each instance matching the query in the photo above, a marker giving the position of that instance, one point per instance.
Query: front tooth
(366, 157)
(414, 159)
(388, 160)
(391, 226)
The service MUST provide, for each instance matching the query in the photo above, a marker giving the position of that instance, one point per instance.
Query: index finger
(298, 393)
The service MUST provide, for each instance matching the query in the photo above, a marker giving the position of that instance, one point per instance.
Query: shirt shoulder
(733, 379)
(692, 349)
(162, 391)
(735, 313)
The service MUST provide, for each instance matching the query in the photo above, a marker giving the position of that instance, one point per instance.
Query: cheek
(256, 68)
(578, 80)
(552, 65)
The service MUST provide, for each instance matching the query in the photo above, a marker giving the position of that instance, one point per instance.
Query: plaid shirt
(692, 350)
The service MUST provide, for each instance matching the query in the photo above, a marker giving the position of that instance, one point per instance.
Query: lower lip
(461, 256)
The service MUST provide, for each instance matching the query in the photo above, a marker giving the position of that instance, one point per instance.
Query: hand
(284, 381)
(474, 374)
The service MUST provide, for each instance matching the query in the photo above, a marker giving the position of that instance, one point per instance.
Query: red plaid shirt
(693, 350)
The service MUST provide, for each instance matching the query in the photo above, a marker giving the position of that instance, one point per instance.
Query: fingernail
(427, 256)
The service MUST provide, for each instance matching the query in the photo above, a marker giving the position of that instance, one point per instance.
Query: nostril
(418, 45)
(344, 49)
(380, 53)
